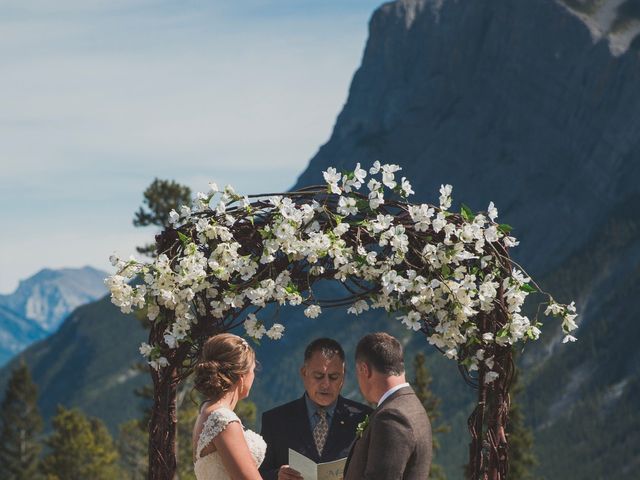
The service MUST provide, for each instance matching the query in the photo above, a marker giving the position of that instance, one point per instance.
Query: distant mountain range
(41, 303)
(511, 101)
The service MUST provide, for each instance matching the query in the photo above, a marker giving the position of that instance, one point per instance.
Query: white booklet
(311, 470)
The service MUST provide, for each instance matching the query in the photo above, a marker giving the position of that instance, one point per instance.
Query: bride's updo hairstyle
(224, 359)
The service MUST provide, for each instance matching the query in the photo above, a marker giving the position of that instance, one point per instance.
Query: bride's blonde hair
(223, 360)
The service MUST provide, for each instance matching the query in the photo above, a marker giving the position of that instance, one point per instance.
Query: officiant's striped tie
(321, 430)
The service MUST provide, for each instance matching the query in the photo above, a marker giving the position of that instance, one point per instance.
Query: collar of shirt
(390, 392)
(312, 408)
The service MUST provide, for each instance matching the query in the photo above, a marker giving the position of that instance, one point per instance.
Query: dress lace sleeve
(215, 423)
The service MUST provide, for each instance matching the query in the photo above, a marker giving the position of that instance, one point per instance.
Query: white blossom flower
(492, 212)
(275, 332)
(159, 363)
(254, 327)
(411, 320)
(153, 310)
(359, 173)
(375, 168)
(569, 338)
(445, 196)
(511, 241)
(554, 309)
(491, 234)
(358, 307)
(405, 187)
(145, 349)
(312, 311)
(490, 377)
(332, 177)
(347, 206)
(421, 215)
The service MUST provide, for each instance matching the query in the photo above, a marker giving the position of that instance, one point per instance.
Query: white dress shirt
(389, 392)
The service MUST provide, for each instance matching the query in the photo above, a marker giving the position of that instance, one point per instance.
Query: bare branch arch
(445, 275)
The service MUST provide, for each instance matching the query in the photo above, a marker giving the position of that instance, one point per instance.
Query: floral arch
(445, 275)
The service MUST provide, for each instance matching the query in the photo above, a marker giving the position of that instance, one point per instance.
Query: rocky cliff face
(533, 105)
(506, 100)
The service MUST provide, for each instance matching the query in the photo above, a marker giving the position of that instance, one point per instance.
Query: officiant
(321, 424)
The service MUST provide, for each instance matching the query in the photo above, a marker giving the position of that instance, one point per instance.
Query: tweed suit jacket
(287, 426)
(396, 445)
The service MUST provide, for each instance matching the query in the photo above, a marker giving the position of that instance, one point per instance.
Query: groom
(321, 424)
(395, 444)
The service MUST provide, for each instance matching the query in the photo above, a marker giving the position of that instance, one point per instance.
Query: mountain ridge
(41, 302)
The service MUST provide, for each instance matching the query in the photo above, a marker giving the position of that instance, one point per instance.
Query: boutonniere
(362, 427)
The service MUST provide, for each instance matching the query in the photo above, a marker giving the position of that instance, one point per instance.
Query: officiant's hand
(288, 473)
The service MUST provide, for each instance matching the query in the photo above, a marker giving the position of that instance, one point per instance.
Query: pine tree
(160, 198)
(132, 447)
(21, 426)
(431, 404)
(79, 448)
(521, 457)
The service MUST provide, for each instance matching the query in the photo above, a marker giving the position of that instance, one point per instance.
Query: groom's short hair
(328, 346)
(382, 352)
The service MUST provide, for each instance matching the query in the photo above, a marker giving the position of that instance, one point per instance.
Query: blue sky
(98, 97)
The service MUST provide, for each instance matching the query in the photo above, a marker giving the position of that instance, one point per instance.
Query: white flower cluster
(439, 270)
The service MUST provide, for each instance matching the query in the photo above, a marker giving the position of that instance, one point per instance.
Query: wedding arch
(445, 275)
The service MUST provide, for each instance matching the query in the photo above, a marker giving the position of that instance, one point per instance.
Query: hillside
(50, 295)
(88, 364)
(41, 303)
(15, 333)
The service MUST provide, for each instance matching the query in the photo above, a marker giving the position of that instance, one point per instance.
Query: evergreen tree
(21, 425)
(132, 447)
(522, 460)
(160, 198)
(431, 404)
(79, 448)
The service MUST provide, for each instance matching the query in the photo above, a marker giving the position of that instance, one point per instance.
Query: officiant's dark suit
(293, 424)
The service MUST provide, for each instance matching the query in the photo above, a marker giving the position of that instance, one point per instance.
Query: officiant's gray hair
(327, 346)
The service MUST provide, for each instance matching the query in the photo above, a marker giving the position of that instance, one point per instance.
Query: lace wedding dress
(210, 466)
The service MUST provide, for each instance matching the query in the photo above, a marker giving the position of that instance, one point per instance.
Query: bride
(223, 449)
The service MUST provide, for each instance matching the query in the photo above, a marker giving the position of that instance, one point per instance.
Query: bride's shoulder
(219, 416)
(215, 422)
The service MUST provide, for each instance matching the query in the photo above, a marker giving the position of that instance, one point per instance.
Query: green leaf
(466, 213)
(183, 238)
(505, 228)
(528, 288)
(504, 331)
(446, 271)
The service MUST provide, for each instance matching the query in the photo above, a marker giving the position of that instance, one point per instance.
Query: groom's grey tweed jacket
(287, 426)
(396, 445)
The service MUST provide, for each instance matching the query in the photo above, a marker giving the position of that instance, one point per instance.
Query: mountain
(41, 302)
(88, 363)
(516, 102)
(15, 333)
(50, 295)
(533, 105)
